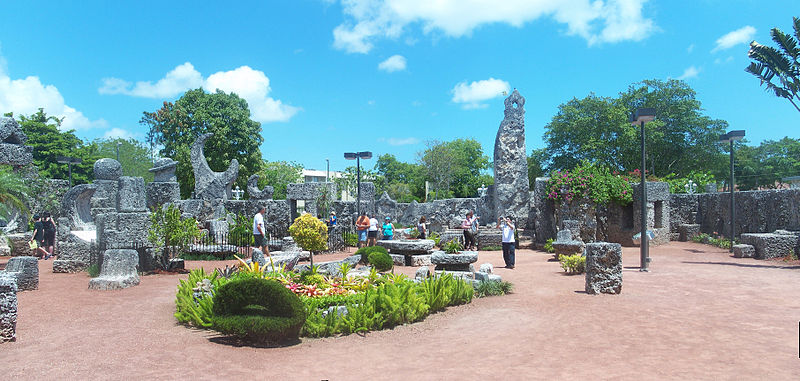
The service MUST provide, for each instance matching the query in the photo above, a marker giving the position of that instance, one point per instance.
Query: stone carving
(118, 270)
(107, 169)
(8, 310)
(131, 195)
(421, 246)
(454, 262)
(164, 170)
(210, 185)
(770, 245)
(511, 186)
(24, 271)
(258, 194)
(422, 273)
(744, 251)
(603, 268)
(76, 207)
(12, 144)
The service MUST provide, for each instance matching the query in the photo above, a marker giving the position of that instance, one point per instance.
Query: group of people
(368, 229)
(505, 223)
(44, 236)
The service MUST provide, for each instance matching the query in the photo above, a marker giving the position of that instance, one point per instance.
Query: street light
(118, 144)
(730, 137)
(70, 161)
(640, 117)
(357, 156)
(328, 171)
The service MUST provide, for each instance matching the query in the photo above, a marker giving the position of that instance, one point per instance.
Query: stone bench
(23, 271)
(409, 252)
(118, 271)
(744, 251)
(770, 245)
(8, 310)
(603, 268)
(454, 262)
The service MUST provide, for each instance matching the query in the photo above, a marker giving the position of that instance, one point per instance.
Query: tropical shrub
(365, 251)
(194, 300)
(241, 234)
(678, 184)
(310, 233)
(13, 192)
(591, 181)
(350, 239)
(381, 260)
(453, 247)
(548, 246)
(93, 270)
(493, 288)
(258, 309)
(573, 264)
(170, 233)
(435, 237)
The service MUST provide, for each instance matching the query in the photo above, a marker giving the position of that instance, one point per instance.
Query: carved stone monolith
(511, 186)
(210, 185)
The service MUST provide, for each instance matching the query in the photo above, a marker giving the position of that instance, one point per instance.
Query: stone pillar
(8, 310)
(603, 268)
(511, 186)
(118, 271)
(25, 271)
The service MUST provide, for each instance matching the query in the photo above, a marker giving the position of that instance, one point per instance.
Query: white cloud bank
(249, 84)
(25, 96)
(471, 95)
(742, 35)
(690, 72)
(393, 63)
(596, 21)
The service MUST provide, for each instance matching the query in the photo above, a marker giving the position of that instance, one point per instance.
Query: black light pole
(640, 117)
(730, 137)
(118, 144)
(357, 156)
(69, 161)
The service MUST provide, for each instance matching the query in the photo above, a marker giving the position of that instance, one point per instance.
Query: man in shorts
(362, 224)
(259, 234)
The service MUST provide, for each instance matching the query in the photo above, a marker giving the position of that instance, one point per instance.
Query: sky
(324, 77)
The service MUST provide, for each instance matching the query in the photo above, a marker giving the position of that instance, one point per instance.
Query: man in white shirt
(507, 224)
(259, 234)
(372, 233)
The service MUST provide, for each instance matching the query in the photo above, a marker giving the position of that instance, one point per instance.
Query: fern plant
(453, 247)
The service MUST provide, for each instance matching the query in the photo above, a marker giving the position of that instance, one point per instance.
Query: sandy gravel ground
(700, 314)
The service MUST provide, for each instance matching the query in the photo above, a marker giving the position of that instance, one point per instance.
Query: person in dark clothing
(49, 234)
(38, 236)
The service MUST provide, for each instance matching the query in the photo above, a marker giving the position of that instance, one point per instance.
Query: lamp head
(365, 155)
(731, 136)
(350, 155)
(644, 114)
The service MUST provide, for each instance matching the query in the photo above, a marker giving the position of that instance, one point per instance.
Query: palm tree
(12, 191)
(783, 64)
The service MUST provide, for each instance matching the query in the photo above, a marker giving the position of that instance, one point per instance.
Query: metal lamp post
(69, 161)
(640, 117)
(118, 144)
(328, 170)
(357, 156)
(730, 137)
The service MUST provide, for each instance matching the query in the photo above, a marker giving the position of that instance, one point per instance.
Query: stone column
(8, 310)
(603, 268)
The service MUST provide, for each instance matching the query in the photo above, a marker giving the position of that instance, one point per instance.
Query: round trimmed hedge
(365, 251)
(381, 260)
(259, 310)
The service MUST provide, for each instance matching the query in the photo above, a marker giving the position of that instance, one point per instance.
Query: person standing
(372, 232)
(259, 234)
(421, 228)
(507, 225)
(38, 236)
(49, 235)
(332, 219)
(362, 224)
(388, 229)
(470, 226)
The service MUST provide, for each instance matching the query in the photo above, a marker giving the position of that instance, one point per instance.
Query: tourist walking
(421, 228)
(362, 224)
(470, 226)
(507, 225)
(37, 238)
(372, 232)
(332, 219)
(49, 234)
(388, 229)
(259, 234)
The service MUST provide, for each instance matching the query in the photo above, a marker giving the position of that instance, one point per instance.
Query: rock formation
(511, 187)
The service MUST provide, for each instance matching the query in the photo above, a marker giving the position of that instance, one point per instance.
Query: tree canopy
(680, 140)
(455, 168)
(176, 125)
(136, 158)
(278, 174)
(765, 165)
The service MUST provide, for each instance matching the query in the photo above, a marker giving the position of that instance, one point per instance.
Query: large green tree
(134, 156)
(778, 69)
(765, 165)
(405, 182)
(278, 174)
(455, 168)
(537, 162)
(49, 142)
(681, 139)
(176, 125)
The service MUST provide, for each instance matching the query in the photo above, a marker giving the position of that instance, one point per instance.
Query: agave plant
(781, 63)
(227, 272)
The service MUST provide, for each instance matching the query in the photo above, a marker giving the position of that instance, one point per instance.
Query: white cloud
(471, 95)
(690, 72)
(720, 61)
(742, 35)
(119, 133)
(393, 63)
(596, 21)
(690, 48)
(249, 84)
(402, 141)
(26, 95)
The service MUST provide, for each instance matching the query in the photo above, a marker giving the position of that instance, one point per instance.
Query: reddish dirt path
(700, 314)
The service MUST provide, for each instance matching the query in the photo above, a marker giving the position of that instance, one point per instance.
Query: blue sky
(324, 77)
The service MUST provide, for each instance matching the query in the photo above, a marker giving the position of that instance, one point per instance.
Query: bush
(258, 309)
(350, 239)
(435, 237)
(93, 270)
(381, 260)
(241, 234)
(365, 251)
(548, 246)
(493, 288)
(492, 248)
(195, 307)
(573, 264)
(453, 247)
(591, 181)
